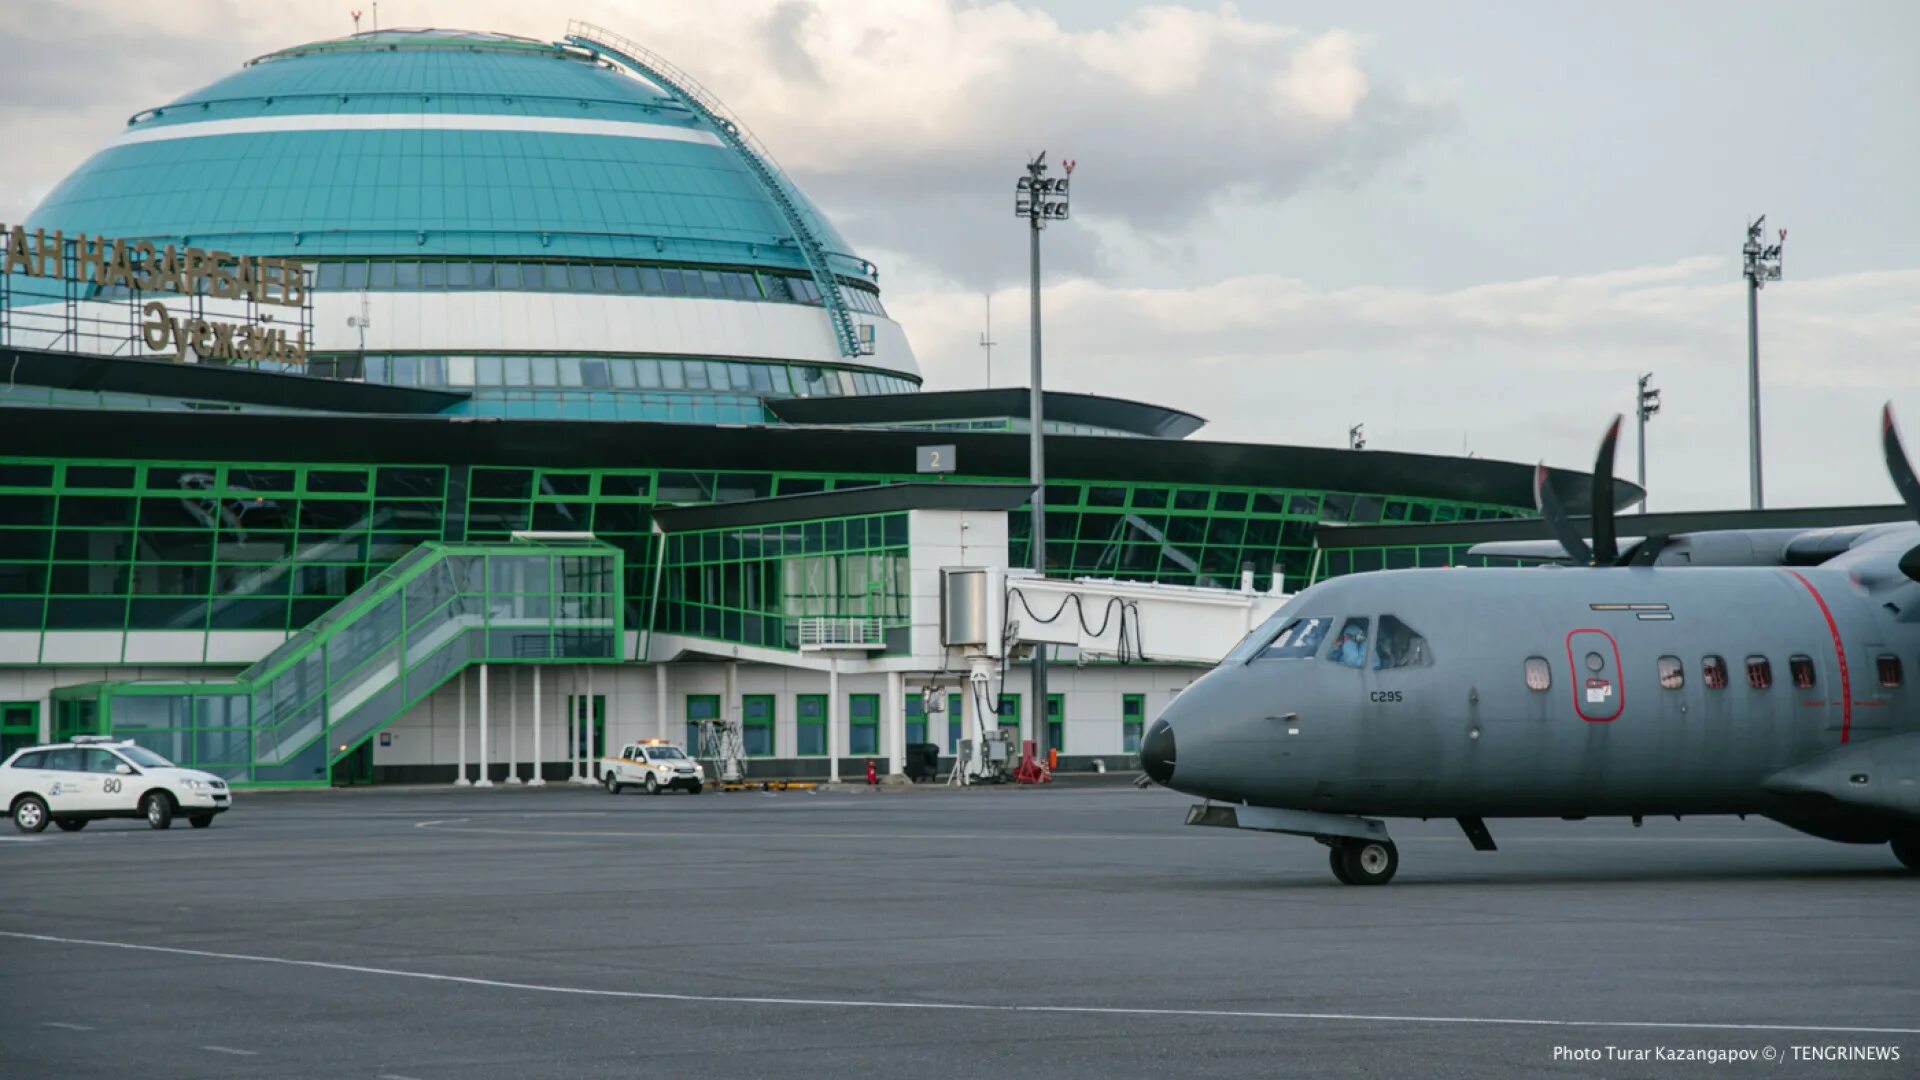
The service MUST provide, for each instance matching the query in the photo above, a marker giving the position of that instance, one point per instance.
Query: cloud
(906, 119)
(1520, 370)
(925, 103)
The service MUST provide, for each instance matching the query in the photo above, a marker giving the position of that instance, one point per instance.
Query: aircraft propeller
(1904, 481)
(1606, 547)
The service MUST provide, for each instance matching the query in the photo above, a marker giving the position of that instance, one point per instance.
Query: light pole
(1647, 402)
(1039, 199)
(1761, 265)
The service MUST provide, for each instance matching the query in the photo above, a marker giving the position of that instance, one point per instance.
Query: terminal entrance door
(75, 716)
(19, 725)
(590, 714)
(356, 768)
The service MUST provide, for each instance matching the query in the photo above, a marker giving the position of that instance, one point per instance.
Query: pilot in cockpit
(1351, 649)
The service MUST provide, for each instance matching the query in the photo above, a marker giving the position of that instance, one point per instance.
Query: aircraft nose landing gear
(1363, 862)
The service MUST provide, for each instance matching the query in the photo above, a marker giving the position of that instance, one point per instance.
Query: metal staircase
(385, 648)
(759, 161)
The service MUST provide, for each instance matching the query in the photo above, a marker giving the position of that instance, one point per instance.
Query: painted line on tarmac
(734, 1001)
(718, 835)
(63, 1026)
(234, 1050)
(458, 825)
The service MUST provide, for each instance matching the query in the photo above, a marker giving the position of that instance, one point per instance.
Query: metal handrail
(759, 160)
(823, 631)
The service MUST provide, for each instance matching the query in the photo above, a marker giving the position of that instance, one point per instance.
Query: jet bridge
(1133, 621)
(990, 615)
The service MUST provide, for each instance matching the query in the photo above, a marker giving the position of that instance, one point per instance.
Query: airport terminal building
(423, 375)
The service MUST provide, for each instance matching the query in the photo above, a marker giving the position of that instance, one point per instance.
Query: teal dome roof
(434, 142)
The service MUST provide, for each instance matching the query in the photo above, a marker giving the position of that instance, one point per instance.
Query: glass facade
(607, 373)
(620, 278)
(208, 545)
(754, 585)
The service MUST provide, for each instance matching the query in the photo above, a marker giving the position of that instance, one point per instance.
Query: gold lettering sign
(188, 271)
(105, 263)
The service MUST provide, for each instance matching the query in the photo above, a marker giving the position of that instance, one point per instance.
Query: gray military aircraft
(1651, 680)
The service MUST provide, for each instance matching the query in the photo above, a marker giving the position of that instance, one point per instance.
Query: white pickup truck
(655, 765)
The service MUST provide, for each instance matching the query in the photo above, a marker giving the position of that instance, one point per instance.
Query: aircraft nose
(1156, 752)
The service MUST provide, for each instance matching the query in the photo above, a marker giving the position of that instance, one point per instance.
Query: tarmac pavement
(1068, 932)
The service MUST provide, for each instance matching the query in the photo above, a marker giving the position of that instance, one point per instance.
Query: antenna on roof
(376, 16)
(986, 339)
(356, 22)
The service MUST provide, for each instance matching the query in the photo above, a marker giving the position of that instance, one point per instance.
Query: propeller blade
(1547, 502)
(1897, 464)
(1904, 481)
(1606, 547)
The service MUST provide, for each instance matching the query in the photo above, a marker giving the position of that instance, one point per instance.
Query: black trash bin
(923, 761)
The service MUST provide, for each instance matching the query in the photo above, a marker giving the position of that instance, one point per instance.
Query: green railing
(328, 689)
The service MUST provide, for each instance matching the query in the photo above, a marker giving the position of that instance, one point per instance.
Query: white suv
(72, 783)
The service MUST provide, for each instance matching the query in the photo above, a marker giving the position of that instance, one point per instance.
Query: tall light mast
(1039, 199)
(1761, 265)
(1646, 403)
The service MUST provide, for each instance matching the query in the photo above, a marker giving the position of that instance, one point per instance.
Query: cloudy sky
(1469, 226)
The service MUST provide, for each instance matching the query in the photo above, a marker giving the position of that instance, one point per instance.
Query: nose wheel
(1363, 862)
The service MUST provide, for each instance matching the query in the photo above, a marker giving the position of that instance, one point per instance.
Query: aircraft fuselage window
(1672, 675)
(1399, 646)
(1759, 673)
(1350, 648)
(1889, 670)
(1539, 674)
(1297, 640)
(1802, 669)
(1713, 671)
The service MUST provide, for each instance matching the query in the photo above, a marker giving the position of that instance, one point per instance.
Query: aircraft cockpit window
(1759, 673)
(1350, 648)
(1802, 669)
(1672, 676)
(1298, 640)
(1539, 675)
(1889, 670)
(1257, 639)
(1713, 672)
(1399, 646)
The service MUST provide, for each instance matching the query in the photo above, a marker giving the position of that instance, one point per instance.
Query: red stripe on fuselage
(1840, 655)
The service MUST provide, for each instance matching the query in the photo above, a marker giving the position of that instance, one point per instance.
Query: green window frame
(916, 719)
(1133, 719)
(1009, 712)
(19, 725)
(956, 722)
(592, 713)
(757, 724)
(863, 724)
(810, 725)
(1057, 722)
(699, 707)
